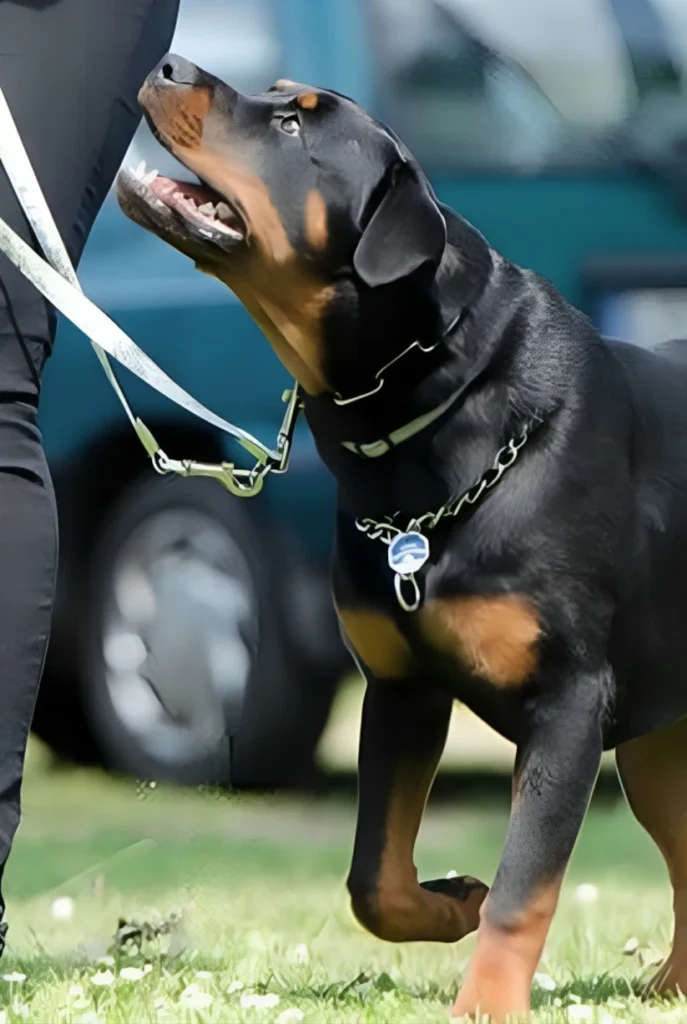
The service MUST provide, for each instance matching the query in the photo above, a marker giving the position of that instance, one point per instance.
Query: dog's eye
(291, 125)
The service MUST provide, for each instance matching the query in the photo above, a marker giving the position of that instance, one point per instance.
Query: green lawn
(260, 886)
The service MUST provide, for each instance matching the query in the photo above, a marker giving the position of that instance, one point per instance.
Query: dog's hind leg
(403, 734)
(653, 771)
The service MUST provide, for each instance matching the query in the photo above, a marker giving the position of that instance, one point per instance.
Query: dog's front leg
(403, 734)
(555, 774)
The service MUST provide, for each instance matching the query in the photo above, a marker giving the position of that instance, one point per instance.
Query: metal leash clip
(55, 278)
(244, 483)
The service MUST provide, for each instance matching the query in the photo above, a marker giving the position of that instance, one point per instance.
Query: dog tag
(408, 552)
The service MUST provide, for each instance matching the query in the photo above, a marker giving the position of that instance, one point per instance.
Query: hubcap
(179, 635)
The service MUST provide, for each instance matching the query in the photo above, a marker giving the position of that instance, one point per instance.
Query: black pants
(70, 70)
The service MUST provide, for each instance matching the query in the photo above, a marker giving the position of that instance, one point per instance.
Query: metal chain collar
(387, 532)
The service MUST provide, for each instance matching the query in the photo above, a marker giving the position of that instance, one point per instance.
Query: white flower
(545, 982)
(88, 1018)
(75, 991)
(147, 968)
(631, 946)
(236, 986)
(103, 978)
(267, 1002)
(204, 975)
(580, 1012)
(195, 999)
(21, 1009)
(586, 893)
(15, 978)
(291, 1016)
(301, 954)
(132, 973)
(3, 1016)
(63, 908)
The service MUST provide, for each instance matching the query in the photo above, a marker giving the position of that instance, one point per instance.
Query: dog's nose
(173, 70)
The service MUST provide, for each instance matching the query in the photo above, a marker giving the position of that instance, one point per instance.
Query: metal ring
(398, 585)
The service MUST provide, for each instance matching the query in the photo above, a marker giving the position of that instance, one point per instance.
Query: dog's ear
(406, 230)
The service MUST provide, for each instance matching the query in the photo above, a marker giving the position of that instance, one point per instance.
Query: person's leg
(70, 71)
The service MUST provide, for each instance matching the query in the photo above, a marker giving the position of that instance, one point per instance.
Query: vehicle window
(233, 39)
(531, 85)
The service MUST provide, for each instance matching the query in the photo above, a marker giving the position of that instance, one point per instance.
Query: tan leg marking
(653, 770)
(496, 637)
(499, 976)
(377, 641)
(403, 910)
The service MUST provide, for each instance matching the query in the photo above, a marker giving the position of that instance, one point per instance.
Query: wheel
(181, 644)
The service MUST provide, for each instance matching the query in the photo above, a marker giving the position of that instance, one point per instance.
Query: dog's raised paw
(460, 887)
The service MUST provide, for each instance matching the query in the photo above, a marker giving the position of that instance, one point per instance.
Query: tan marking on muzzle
(236, 181)
(285, 297)
(178, 113)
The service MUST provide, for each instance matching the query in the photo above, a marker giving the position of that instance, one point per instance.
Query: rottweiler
(512, 499)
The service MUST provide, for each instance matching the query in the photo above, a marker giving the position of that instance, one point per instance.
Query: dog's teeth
(149, 178)
(224, 212)
(141, 169)
(207, 208)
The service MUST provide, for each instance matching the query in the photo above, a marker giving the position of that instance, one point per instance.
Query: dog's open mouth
(190, 209)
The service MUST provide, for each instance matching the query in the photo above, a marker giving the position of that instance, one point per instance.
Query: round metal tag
(408, 552)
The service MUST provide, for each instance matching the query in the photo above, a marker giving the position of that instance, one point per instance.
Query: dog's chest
(494, 638)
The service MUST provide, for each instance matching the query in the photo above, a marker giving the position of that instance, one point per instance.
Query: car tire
(186, 673)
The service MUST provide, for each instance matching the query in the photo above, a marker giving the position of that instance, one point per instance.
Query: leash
(409, 547)
(57, 281)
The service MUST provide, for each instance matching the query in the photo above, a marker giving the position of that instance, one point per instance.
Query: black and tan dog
(553, 602)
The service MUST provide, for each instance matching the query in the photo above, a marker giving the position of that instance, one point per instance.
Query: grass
(260, 887)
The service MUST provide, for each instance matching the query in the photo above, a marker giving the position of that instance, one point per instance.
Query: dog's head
(306, 207)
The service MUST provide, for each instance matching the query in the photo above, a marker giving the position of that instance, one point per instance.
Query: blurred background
(186, 615)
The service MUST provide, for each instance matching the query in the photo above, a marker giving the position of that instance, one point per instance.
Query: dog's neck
(382, 328)
(481, 308)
